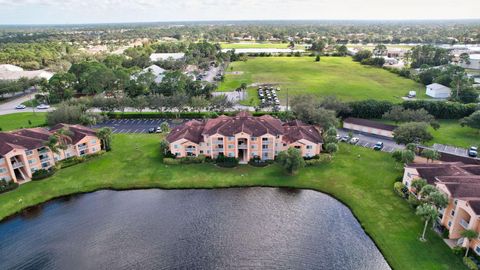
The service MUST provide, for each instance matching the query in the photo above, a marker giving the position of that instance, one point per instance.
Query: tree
(220, 103)
(164, 147)
(139, 103)
(380, 50)
(412, 133)
(331, 148)
(363, 54)
(436, 198)
(309, 110)
(468, 95)
(427, 212)
(418, 184)
(465, 58)
(105, 136)
(198, 103)
(427, 190)
(342, 50)
(335, 104)
(469, 235)
(317, 58)
(403, 156)
(291, 160)
(61, 87)
(430, 154)
(472, 121)
(165, 127)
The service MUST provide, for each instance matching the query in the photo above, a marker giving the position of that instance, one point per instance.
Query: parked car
(158, 130)
(43, 107)
(473, 151)
(378, 146)
(354, 140)
(20, 107)
(344, 138)
(338, 137)
(151, 130)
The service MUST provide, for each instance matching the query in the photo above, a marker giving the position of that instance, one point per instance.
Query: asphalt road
(9, 106)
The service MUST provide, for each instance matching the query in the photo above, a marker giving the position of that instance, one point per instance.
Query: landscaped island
(360, 178)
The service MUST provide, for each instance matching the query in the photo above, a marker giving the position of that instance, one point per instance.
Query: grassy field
(451, 133)
(135, 162)
(338, 76)
(20, 120)
(251, 45)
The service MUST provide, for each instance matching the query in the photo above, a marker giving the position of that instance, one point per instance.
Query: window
(284, 144)
(296, 146)
(220, 138)
(2, 160)
(28, 152)
(94, 149)
(264, 139)
(177, 154)
(407, 183)
(265, 155)
(278, 136)
(309, 147)
(254, 138)
(450, 224)
(455, 202)
(477, 249)
(68, 155)
(265, 146)
(2, 170)
(208, 151)
(31, 161)
(231, 155)
(452, 213)
(230, 138)
(175, 146)
(220, 146)
(254, 146)
(93, 142)
(231, 146)
(201, 151)
(34, 170)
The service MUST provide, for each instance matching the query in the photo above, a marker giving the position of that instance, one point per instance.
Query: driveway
(137, 125)
(369, 140)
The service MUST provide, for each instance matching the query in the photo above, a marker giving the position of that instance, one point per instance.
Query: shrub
(470, 263)
(70, 162)
(413, 201)
(171, 161)
(226, 162)
(320, 160)
(257, 162)
(7, 185)
(458, 251)
(442, 109)
(43, 173)
(445, 233)
(400, 189)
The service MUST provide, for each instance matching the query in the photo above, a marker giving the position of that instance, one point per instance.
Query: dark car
(378, 146)
(344, 138)
(151, 130)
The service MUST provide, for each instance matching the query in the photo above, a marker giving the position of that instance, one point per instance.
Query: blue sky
(104, 11)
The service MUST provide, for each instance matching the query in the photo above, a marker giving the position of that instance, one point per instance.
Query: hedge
(257, 162)
(184, 160)
(171, 115)
(469, 263)
(42, 174)
(226, 162)
(7, 186)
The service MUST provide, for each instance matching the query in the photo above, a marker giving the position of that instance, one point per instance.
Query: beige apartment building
(23, 152)
(461, 183)
(244, 137)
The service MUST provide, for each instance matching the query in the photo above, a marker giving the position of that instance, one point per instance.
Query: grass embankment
(359, 177)
(339, 76)
(452, 133)
(20, 120)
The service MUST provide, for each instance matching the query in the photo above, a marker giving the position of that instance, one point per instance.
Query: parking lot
(369, 140)
(450, 149)
(137, 125)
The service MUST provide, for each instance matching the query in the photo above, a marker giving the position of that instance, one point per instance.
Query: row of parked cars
(40, 107)
(268, 96)
(354, 140)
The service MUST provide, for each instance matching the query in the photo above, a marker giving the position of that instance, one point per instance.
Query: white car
(354, 140)
(43, 107)
(20, 107)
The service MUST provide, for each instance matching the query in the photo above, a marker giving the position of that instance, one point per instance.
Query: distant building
(157, 71)
(244, 137)
(166, 56)
(12, 73)
(437, 90)
(474, 62)
(368, 126)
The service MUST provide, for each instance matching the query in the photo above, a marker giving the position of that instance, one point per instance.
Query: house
(166, 56)
(157, 71)
(12, 73)
(368, 126)
(437, 90)
(244, 137)
(24, 151)
(473, 63)
(461, 184)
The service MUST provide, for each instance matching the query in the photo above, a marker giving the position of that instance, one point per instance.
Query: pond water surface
(241, 228)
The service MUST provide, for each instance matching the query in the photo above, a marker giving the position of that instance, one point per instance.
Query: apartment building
(22, 152)
(461, 183)
(244, 137)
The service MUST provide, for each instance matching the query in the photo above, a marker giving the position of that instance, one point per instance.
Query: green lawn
(338, 76)
(20, 120)
(252, 45)
(451, 133)
(136, 163)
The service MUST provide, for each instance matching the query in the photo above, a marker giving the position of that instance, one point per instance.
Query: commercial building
(244, 137)
(368, 126)
(25, 151)
(437, 90)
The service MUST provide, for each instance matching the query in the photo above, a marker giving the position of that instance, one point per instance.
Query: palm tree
(427, 212)
(469, 235)
(52, 144)
(105, 136)
(63, 138)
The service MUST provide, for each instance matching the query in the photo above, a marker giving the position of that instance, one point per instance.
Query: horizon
(68, 12)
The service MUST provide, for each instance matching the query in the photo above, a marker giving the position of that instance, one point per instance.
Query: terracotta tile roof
(10, 141)
(244, 122)
(78, 132)
(431, 173)
(473, 169)
(475, 205)
(369, 123)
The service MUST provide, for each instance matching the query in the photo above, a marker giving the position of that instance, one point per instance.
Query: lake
(238, 228)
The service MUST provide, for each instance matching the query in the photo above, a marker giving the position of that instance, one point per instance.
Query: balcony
(242, 146)
(44, 159)
(43, 151)
(464, 223)
(82, 147)
(17, 164)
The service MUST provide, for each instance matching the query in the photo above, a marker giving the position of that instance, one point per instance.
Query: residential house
(244, 137)
(166, 56)
(158, 73)
(461, 183)
(24, 151)
(12, 73)
(437, 90)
